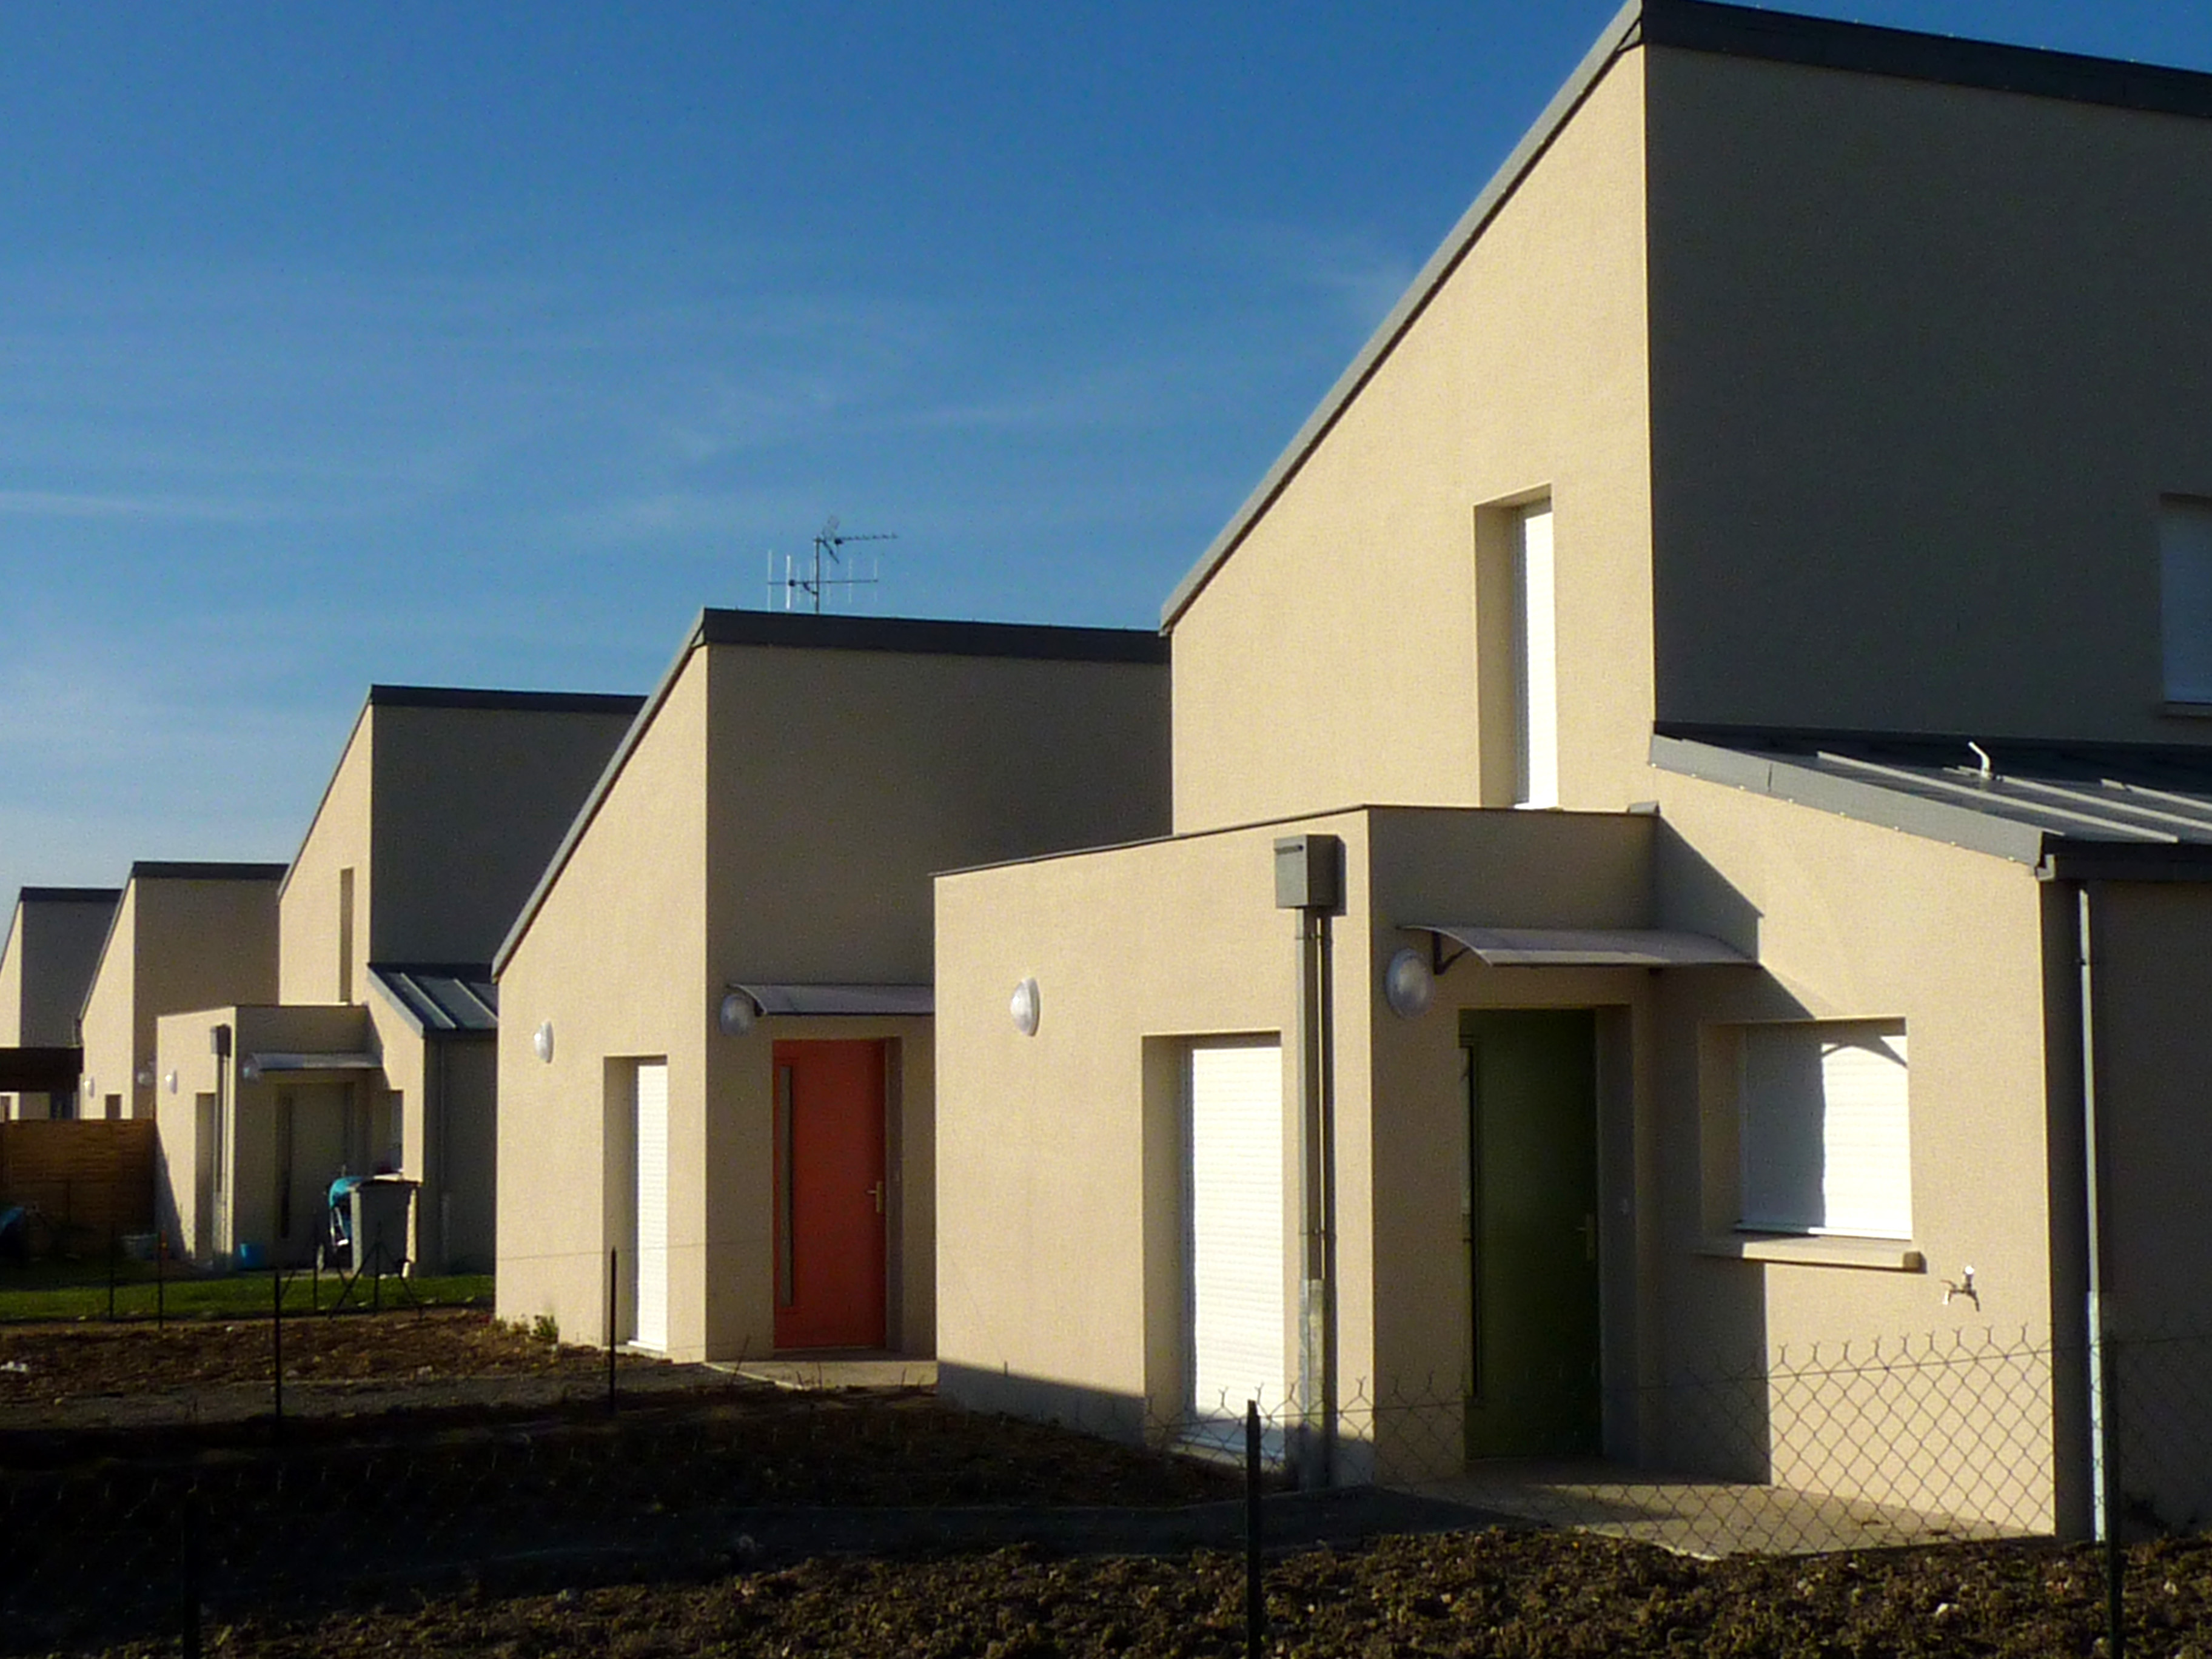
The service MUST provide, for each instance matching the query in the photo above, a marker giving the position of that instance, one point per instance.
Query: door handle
(876, 1192)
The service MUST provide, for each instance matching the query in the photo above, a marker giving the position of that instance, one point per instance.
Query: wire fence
(157, 1481)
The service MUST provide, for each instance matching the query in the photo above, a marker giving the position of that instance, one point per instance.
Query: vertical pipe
(613, 1265)
(1255, 1594)
(2104, 1442)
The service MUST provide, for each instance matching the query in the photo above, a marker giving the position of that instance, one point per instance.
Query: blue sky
(481, 344)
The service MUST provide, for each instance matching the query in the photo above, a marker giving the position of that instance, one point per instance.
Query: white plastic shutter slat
(652, 1323)
(1236, 1105)
(1827, 1130)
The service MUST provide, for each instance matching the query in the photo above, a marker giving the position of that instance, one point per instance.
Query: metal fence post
(189, 1565)
(1255, 1594)
(613, 1279)
(160, 1278)
(276, 1347)
(111, 1268)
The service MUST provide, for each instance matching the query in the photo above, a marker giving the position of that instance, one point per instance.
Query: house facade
(1637, 929)
(47, 964)
(372, 1049)
(716, 1052)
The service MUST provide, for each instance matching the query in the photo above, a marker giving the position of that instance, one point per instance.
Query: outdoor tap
(1964, 1287)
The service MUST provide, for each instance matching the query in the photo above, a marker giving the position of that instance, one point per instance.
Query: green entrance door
(1532, 1231)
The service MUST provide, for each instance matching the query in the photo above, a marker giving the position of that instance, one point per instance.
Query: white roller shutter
(1827, 1134)
(1234, 1094)
(1539, 659)
(652, 1322)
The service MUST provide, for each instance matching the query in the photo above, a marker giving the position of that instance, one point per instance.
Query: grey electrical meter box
(1307, 872)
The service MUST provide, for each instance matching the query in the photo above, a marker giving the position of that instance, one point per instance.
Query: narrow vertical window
(345, 935)
(2185, 548)
(1538, 658)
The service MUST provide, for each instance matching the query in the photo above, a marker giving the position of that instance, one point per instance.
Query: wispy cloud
(55, 504)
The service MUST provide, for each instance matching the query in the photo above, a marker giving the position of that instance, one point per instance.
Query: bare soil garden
(742, 1519)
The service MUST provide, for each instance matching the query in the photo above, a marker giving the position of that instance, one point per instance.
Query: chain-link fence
(156, 1481)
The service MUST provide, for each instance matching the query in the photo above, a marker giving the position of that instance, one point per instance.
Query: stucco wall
(469, 804)
(842, 781)
(1350, 613)
(615, 958)
(1923, 360)
(1058, 1272)
(108, 1019)
(338, 839)
(1852, 922)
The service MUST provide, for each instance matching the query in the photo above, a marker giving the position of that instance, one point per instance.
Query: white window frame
(1536, 651)
(1846, 1086)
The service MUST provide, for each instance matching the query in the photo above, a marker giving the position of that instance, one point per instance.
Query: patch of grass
(67, 1292)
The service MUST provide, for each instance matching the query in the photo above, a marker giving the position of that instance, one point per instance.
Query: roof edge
(205, 870)
(932, 637)
(457, 696)
(1780, 37)
(1618, 36)
(70, 895)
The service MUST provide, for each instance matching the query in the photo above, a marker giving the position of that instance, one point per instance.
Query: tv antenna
(810, 578)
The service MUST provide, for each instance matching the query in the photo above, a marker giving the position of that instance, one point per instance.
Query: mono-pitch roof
(2115, 811)
(441, 998)
(1721, 31)
(809, 631)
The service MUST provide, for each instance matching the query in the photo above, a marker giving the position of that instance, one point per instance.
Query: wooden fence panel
(86, 1179)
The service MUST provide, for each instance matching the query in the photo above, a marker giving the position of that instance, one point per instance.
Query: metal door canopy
(1587, 947)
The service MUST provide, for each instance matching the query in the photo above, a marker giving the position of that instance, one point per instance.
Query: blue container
(251, 1258)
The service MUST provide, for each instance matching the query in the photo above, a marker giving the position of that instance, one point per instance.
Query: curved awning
(879, 1000)
(267, 1063)
(1581, 947)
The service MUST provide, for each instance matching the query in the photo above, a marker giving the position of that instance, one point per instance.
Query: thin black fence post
(612, 1280)
(1255, 1594)
(111, 1267)
(276, 1347)
(160, 1278)
(189, 1564)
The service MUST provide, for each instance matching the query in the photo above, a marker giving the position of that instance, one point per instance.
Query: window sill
(1883, 1255)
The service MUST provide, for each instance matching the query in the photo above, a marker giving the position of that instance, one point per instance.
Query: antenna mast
(811, 580)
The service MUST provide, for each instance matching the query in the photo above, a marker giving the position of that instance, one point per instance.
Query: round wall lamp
(1025, 1007)
(250, 1071)
(91, 1088)
(172, 1081)
(1408, 986)
(541, 1043)
(144, 1080)
(737, 1015)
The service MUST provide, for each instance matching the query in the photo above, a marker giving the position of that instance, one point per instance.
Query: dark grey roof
(1728, 31)
(2079, 811)
(443, 997)
(206, 870)
(459, 696)
(930, 636)
(71, 895)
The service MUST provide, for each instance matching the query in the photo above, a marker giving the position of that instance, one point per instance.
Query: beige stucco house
(1650, 763)
(715, 1052)
(371, 1050)
(182, 935)
(51, 947)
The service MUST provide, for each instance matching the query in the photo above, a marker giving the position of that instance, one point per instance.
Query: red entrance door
(829, 1195)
